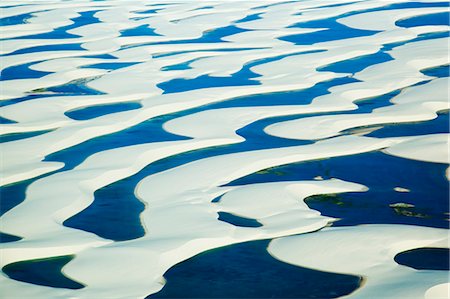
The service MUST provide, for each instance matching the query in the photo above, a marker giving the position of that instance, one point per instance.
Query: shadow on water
(425, 258)
(238, 220)
(247, 270)
(45, 272)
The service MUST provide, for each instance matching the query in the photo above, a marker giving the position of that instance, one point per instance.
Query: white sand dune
(179, 219)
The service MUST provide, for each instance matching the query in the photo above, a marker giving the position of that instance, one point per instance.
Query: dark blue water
(45, 272)
(19, 136)
(9, 6)
(238, 220)
(146, 132)
(215, 35)
(149, 11)
(356, 64)
(15, 20)
(6, 238)
(179, 66)
(165, 54)
(84, 18)
(5, 121)
(13, 194)
(75, 87)
(142, 30)
(420, 37)
(151, 131)
(113, 215)
(100, 56)
(294, 97)
(242, 77)
(203, 81)
(272, 5)
(47, 48)
(119, 196)
(33, 96)
(246, 270)
(21, 71)
(425, 258)
(332, 5)
(338, 31)
(438, 125)
(436, 19)
(72, 88)
(381, 173)
(100, 110)
(442, 71)
(249, 18)
(335, 31)
(110, 65)
(204, 7)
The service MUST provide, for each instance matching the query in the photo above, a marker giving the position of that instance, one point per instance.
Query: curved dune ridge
(164, 105)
